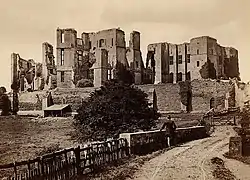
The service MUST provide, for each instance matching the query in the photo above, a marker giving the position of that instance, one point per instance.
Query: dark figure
(170, 127)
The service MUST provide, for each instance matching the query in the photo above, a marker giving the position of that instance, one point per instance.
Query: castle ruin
(96, 56)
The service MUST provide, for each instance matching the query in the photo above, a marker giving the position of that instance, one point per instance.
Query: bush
(84, 83)
(115, 108)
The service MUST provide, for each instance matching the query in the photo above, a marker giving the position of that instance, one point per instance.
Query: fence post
(15, 170)
(78, 160)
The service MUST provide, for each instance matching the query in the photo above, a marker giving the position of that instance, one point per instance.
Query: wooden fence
(69, 163)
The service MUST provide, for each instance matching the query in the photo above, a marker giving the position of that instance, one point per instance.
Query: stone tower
(66, 57)
(100, 67)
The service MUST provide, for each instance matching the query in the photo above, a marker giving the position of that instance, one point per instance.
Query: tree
(5, 103)
(113, 109)
(123, 74)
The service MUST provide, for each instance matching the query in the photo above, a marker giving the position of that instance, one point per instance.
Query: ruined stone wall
(113, 40)
(66, 57)
(134, 58)
(204, 90)
(48, 65)
(101, 67)
(23, 72)
(207, 60)
(157, 48)
(168, 98)
(182, 61)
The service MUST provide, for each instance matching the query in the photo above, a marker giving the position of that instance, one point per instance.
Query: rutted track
(188, 161)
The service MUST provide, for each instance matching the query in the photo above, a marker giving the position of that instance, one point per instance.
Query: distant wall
(168, 96)
(29, 101)
(169, 99)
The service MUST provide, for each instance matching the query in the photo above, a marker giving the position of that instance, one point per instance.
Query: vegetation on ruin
(84, 83)
(5, 104)
(186, 94)
(113, 109)
(208, 70)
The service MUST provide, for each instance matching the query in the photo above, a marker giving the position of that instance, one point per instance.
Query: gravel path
(192, 160)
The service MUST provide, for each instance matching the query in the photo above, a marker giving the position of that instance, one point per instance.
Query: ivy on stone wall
(208, 70)
(186, 94)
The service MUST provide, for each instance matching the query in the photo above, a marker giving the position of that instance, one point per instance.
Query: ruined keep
(83, 58)
(201, 58)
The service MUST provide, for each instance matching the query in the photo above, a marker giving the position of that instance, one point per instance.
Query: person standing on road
(170, 127)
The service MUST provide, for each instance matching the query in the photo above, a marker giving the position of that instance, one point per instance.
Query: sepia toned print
(117, 89)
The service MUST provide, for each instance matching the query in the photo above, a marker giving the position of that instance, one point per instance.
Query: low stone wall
(149, 141)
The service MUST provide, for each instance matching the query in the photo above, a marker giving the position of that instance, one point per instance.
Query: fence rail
(68, 163)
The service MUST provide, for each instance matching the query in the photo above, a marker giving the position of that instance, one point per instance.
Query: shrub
(84, 83)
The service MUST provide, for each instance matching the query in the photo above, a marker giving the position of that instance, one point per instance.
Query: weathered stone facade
(195, 98)
(202, 58)
(23, 72)
(48, 66)
(77, 57)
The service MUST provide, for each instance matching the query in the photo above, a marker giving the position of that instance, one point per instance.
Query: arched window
(101, 42)
(179, 77)
(188, 76)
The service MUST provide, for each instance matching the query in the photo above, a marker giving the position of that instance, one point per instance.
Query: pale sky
(26, 24)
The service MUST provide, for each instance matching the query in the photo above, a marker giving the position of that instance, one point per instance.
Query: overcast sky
(26, 24)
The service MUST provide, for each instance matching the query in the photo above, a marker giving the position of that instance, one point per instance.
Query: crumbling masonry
(202, 58)
(96, 56)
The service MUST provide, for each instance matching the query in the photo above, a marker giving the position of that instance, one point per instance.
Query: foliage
(245, 114)
(208, 70)
(186, 94)
(84, 83)
(5, 103)
(113, 109)
(123, 74)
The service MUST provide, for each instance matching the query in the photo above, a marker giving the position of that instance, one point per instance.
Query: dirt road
(192, 160)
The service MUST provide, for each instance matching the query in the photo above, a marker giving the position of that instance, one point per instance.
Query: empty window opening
(62, 38)
(180, 59)
(80, 57)
(171, 60)
(198, 51)
(79, 42)
(62, 76)
(137, 64)
(101, 42)
(198, 63)
(109, 74)
(188, 58)
(179, 76)
(188, 76)
(62, 57)
(89, 44)
(171, 78)
(112, 42)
